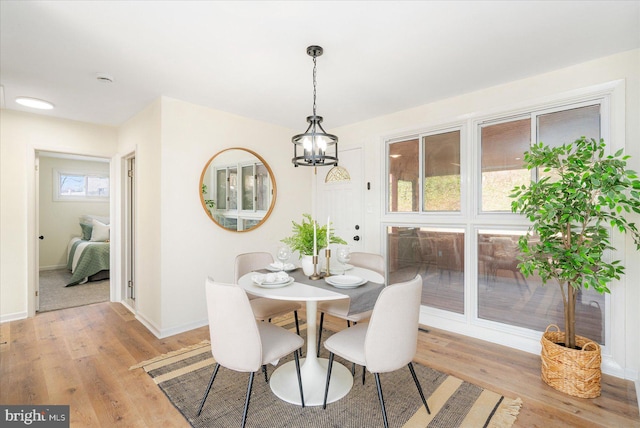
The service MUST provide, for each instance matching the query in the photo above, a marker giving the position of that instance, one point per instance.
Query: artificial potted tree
(302, 240)
(582, 195)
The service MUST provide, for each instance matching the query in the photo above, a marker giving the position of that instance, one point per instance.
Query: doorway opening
(72, 203)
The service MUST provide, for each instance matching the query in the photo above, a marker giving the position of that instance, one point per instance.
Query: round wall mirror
(237, 189)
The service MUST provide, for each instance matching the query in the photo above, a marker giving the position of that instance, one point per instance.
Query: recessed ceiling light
(34, 103)
(394, 156)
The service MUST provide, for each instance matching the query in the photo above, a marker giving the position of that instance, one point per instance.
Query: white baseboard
(148, 324)
(183, 328)
(166, 332)
(13, 317)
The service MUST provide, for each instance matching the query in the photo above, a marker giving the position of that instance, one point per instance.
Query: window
(440, 169)
(404, 176)
(502, 148)
(433, 245)
(506, 296)
(437, 254)
(77, 186)
(504, 143)
(441, 172)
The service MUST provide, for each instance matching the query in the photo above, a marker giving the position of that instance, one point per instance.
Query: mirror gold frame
(241, 215)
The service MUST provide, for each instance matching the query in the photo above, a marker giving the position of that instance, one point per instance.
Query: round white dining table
(313, 370)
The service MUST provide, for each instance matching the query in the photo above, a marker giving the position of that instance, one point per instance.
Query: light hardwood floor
(81, 357)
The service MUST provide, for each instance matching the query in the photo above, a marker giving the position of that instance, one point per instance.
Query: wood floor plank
(81, 357)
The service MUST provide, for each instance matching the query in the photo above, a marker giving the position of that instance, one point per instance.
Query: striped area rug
(183, 376)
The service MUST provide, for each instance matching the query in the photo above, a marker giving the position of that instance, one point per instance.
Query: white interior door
(343, 200)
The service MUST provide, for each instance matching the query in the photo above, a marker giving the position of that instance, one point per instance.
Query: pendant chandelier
(315, 147)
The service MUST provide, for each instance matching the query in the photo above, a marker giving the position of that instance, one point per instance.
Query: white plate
(275, 284)
(340, 268)
(345, 281)
(275, 267)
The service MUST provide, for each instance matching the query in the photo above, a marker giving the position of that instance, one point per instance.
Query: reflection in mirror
(237, 189)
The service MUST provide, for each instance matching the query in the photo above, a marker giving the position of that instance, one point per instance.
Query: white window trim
(58, 197)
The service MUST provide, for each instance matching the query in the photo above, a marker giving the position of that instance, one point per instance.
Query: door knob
(41, 237)
(356, 238)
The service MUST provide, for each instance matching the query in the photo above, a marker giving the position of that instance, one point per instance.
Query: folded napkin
(280, 265)
(269, 278)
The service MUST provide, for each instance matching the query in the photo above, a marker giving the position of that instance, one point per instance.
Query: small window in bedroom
(74, 186)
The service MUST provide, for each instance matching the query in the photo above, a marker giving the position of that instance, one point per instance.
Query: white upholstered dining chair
(263, 309)
(239, 342)
(340, 308)
(387, 342)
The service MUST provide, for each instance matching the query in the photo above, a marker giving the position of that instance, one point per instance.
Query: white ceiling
(249, 58)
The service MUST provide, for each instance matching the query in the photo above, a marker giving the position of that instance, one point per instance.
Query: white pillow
(100, 232)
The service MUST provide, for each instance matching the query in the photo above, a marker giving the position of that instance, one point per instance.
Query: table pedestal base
(284, 381)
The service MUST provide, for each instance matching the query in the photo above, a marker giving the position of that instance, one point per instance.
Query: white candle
(315, 247)
(328, 230)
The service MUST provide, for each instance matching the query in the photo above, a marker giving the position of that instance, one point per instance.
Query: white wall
(178, 244)
(625, 66)
(141, 135)
(21, 134)
(59, 220)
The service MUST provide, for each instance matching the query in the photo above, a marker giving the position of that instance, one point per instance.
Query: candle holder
(315, 274)
(327, 254)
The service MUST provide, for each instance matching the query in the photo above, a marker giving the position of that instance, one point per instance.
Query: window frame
(58, 173)
(460, 127)
(611, 97)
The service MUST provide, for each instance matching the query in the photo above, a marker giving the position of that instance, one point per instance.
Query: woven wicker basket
(572, 371)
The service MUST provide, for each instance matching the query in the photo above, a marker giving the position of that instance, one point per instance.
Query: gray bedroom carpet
(54, 295)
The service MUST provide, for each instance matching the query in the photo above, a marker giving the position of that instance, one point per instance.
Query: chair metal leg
(295, 317)
(326, 388)
(364, 370)
(353, 369)
(264, 370)
(415, 379)
(384, 411)
(348, 323)
(295, 355)
(320, 334)
(246, 402)
(206, 393)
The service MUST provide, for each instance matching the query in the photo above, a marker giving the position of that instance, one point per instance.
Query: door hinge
(36, 294)
(130, 173)
(35, 167)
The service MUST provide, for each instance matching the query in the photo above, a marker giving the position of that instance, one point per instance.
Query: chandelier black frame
(318, 148)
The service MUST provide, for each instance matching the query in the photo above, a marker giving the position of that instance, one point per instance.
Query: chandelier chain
(314, 85)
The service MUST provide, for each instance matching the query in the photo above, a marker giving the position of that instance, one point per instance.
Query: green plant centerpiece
(302, 238)
(582, 195)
